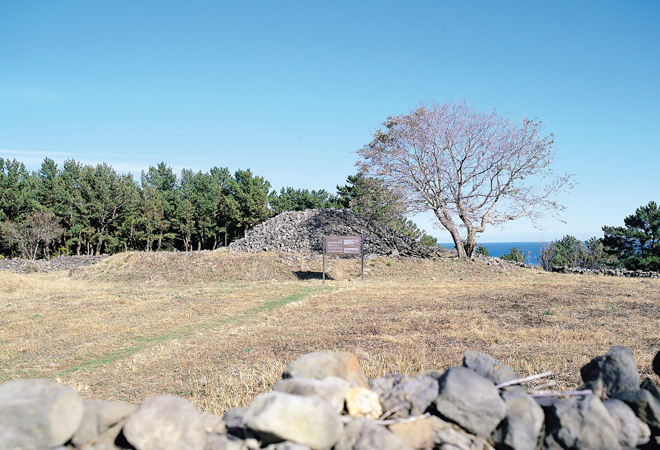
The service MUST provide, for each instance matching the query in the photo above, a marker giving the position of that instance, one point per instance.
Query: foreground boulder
(580, 423)
(612, 373)
(363, 434)
(486, 366)
(36, 414)
(276, 417)
(626, 422)
(331, 389)
(522, 426)
(470, 400)
(645, 406)
(165, 422)
(102, 422)
(405, 396)
(327, 364)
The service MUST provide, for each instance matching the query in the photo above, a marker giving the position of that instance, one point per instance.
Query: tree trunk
(199, 245)
(449, 224)
(471, 245)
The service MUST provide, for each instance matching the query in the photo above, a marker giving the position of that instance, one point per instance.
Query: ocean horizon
(498, 249)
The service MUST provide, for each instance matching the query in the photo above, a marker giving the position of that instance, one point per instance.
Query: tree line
(79, 209)
(634, 246)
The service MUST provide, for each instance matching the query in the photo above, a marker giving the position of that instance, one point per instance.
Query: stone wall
(18, 265)
(608, 272)
(325, 402)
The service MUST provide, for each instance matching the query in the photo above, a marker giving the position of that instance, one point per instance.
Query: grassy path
(145, 342)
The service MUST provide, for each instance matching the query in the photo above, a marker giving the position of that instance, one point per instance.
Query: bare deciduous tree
(470, 168)
(40, 228)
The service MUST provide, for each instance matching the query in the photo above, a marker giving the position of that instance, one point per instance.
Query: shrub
(429, 241)
(517, 255)
(482, 250)
(570, 252)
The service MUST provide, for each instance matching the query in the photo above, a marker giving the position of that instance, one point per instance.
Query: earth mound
(303, 231)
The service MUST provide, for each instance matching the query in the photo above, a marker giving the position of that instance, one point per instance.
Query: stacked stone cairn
(303, 231)
(325, 402)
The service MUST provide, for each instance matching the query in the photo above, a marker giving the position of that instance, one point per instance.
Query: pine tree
(637, 244)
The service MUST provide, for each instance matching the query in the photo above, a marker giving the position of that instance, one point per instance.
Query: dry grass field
(218, 328)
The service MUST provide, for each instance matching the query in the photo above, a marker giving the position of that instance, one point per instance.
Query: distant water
(498, 249)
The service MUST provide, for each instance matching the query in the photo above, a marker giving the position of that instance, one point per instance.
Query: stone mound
(303, 231)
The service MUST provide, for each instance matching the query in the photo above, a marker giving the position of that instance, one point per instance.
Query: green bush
(429, 241)
(482, 250)
(570, 252)
(517, 255)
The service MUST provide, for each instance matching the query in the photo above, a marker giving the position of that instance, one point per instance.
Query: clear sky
(291, 89)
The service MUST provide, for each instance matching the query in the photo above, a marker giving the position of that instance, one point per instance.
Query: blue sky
(291, 89)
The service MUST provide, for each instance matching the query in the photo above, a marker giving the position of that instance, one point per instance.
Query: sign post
(343, 245)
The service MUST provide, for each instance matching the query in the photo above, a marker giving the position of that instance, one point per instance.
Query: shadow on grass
(309, 275)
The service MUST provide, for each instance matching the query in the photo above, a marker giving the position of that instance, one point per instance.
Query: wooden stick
(520, 380)
(347, 419)
(559, 393)
(544, 385)
(402, 420)
(392, 411)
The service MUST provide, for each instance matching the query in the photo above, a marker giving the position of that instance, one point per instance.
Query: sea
(497, 249)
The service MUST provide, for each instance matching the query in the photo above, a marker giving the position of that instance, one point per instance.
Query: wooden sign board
(342, 245)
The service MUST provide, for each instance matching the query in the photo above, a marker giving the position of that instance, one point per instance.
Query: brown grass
(218, 328)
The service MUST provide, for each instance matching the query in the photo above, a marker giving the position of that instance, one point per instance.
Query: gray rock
(651, 387)
(233, 420)
(363, 434)
(383, 385)
(511, 392)
(644, 433)
(615, 372)
(287, 446)
(626, 422)
(410, 396)
(416, 433)
(322, 364)
(165, 422)
(645, 406)
(486, 366)
(98, 418)
(213, 423)
(449, 436)
(470, 400)
(37, 414)
(223, 442)
(521, 427)
(331, 389)
(276, 417)
(580, 423)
